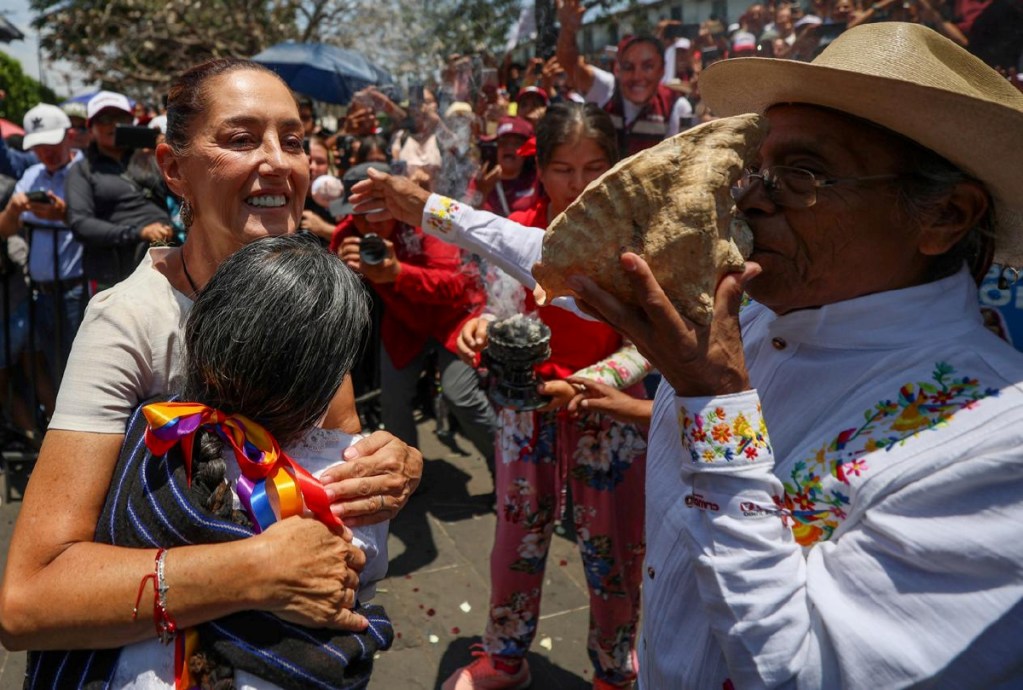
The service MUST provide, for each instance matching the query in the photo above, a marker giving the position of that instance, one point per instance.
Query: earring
(186, 214)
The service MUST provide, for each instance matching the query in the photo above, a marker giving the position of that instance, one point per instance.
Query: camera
(132, 137)
(488, 153)
(372, 250)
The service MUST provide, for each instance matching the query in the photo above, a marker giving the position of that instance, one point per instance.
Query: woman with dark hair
(543, 457)
(305, 317)
(234, 155)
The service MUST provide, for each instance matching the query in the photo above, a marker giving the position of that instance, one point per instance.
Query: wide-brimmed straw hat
(913, 81)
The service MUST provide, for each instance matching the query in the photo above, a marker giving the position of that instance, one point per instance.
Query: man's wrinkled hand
(696, 360)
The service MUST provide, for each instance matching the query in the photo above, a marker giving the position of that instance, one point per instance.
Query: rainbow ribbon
(272, 486)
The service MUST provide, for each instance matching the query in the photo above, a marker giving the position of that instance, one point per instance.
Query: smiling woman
(234, 155)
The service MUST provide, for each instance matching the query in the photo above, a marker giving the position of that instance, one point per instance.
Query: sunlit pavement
(437, 589)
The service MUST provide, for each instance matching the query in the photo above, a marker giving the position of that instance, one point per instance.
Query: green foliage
(138, 46)
(23, 92)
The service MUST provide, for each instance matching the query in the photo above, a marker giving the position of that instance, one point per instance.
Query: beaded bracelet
(166, 628)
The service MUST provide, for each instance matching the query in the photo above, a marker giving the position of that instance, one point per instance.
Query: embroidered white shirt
(854, 520)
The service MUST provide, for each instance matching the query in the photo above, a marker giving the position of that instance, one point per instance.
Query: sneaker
(481, 675)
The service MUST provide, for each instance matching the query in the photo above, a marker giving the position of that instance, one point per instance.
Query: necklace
(195, 290)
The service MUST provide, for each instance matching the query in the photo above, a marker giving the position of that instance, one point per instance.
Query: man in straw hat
(835, 475)
(835, 478)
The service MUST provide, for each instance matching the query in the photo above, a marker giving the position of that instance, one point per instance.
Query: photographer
(117, 201)
(428, 295)
(38, 210)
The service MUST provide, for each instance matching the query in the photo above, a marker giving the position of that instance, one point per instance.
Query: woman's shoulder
(127, 349)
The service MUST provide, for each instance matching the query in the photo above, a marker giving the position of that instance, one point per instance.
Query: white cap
(682, 43)
(159, 122)
(45, 124)
(808, 19)
(108, 99)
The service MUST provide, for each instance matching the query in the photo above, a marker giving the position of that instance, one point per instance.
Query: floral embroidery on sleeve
(718, 435)
(440, 214)
(818, 491)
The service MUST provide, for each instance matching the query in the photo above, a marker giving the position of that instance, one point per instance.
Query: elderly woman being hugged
(234, 154)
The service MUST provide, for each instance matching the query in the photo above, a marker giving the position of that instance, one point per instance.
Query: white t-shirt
(149, 665)
(128, 349)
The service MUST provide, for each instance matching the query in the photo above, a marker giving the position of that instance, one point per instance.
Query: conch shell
(672, 205)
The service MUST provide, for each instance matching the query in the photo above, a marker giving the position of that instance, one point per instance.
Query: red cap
(514, 125)
(533, 89)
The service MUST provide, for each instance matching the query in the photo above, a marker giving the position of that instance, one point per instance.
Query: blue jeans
(52, 310)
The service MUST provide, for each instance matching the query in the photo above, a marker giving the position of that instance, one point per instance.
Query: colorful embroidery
(713, 437)
(605, 451)
(441, 214)
(818, 510)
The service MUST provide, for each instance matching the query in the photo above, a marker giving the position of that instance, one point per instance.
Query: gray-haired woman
(234, 154)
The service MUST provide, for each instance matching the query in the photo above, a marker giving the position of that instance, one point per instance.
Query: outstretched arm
(570, 17)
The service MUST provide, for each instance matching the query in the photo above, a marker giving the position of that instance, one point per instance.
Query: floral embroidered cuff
(723, 432)
(441, 215)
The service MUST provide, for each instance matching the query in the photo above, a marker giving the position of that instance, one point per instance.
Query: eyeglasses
(794, 187)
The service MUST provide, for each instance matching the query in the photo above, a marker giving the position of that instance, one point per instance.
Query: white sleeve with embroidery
(921, 583)
(512, 247)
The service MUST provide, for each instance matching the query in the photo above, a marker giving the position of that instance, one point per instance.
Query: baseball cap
(74, 109)
(108, 99)
(45, 124)
(743, 43)
(458, 108)
(355, 174)
(525, 90)
(514, 125)
(682, 43)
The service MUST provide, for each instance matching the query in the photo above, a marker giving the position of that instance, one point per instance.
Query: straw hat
(913, 81)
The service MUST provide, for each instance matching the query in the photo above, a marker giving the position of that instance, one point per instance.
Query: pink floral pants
(602, 463)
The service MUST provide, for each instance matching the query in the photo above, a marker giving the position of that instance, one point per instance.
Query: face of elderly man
(854, 240)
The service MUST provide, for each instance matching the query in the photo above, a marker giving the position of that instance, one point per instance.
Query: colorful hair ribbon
(272, 487)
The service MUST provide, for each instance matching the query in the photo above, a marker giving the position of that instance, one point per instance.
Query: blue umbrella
(322, 72)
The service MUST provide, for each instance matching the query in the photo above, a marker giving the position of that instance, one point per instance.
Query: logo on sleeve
(695, 500)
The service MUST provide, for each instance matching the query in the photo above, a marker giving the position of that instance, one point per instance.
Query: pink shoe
(481, 675)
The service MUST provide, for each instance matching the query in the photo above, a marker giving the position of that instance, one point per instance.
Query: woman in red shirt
(543, 455)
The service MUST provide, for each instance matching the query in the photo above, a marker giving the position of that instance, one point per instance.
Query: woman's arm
(62, 590)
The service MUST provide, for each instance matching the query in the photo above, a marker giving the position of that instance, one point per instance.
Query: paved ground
(437, 589)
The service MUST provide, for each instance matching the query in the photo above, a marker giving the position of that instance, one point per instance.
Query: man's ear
(961, 211)
(170, 166)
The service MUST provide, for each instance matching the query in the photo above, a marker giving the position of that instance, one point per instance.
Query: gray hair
(922, 194)
(274, 333)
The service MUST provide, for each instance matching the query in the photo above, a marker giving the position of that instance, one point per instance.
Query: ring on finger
(381, 508)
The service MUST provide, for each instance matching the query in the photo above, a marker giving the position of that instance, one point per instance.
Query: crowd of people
(773, 506)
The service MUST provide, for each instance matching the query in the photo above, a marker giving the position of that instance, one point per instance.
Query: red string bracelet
(166, 628)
